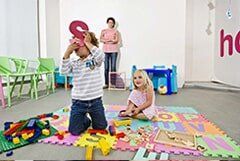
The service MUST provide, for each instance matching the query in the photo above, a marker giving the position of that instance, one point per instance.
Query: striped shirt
(87, 81)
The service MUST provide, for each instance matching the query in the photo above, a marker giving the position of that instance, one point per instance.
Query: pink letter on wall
(237, 42)
(222, 40)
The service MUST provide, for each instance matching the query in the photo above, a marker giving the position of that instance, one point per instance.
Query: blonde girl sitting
(142, 98)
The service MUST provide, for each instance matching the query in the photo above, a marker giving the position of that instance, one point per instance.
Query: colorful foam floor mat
(180, 119)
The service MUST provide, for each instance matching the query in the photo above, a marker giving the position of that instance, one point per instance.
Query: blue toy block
(7, 125)
(36, 135)
(9, 138)
(31, 123)
(49, 114)
(9, 153)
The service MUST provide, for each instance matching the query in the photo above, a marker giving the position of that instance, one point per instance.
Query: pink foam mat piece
(68, 140)
(175, 150)
(60, 120)
(121, 145)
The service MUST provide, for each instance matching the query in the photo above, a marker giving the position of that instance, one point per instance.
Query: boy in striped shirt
(87, 84)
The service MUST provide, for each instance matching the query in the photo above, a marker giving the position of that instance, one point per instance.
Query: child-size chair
(2, 94)
(46, 67)
(62, 79)
(19, 70)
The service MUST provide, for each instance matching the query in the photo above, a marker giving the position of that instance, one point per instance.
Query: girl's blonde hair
(146, 80)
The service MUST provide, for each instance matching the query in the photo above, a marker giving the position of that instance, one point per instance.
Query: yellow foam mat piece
(92, 140)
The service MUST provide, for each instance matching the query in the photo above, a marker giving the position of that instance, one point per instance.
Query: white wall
(19, 38)
(42, 28)
(52, 29)
(199, 45)
(153, 32)
(3, 42)
(227, 68)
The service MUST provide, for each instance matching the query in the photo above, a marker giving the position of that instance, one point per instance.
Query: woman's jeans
(110, 59)
(79, 122)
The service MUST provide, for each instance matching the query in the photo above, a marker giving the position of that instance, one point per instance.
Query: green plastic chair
(46, 67)
(6, 71)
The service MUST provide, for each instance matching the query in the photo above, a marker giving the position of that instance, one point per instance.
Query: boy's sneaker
(105, 86)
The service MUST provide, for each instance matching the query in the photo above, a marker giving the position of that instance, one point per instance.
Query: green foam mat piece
(6, 145)
(219, 146)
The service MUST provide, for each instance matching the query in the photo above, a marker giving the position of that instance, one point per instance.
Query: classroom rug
(173, 118)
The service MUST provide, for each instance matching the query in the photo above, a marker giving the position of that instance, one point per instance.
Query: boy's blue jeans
(79, 121)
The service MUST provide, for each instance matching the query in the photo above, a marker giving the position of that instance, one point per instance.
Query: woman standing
(110, 38)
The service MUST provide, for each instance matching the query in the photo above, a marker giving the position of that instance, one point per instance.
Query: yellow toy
(122, 122)
(66, 109)
(46, 132)
(25, 136)
(105, 147)
(30, 135)
(89, 152)
(16, 140)
(162, 90)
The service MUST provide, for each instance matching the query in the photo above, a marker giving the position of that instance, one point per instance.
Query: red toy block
(55, 117)
(41, 116)
(120, 135)
(94, 131)
(13, 129)
(60, 137)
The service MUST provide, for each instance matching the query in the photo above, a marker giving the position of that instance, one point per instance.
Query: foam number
(77, 28)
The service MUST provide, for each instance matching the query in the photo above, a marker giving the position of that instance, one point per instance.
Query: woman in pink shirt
(110, 38)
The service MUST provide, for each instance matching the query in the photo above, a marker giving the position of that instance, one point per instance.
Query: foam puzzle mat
(181, 119)
(61, 124)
